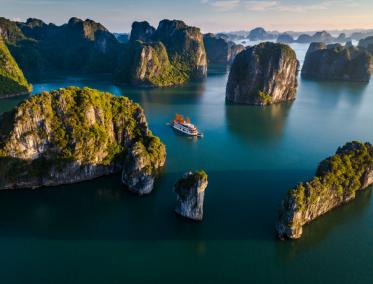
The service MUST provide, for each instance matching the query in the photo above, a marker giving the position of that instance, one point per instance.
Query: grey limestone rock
(190, 190)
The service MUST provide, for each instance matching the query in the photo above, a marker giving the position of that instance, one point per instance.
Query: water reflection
(257, 124)
(331, 93)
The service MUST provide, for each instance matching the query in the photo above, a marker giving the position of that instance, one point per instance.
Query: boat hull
(177, 127)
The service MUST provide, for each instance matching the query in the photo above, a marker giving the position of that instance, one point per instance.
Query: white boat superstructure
(185, 126)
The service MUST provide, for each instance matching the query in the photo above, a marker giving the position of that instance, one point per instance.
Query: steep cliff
(142, 31)
(263, 74)
(84, 46)
(338, 62)
(220, 51)
(71, 135)
(336, 182)
(190, 190)
(12, 81)
(365, 42)
(186, 56)
(141, 165)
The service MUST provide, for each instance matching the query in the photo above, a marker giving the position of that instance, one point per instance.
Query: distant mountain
(359, 33)
(218, 50)
(84, 46)
(124, 38)
(317, 37)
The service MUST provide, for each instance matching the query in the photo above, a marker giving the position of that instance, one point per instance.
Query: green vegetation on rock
(336, 181)
(70, 130)
(12, 81)
(338, 62)
(263, 74)
(84, 46)
(173, 55)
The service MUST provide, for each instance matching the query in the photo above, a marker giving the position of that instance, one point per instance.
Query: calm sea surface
(98, 232)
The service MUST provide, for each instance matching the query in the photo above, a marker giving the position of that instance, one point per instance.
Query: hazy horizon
(210, 16)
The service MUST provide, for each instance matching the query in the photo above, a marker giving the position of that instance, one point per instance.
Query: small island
(75, 134)
(190, 190)
(338, 62)
(336, 182)
(263, 74)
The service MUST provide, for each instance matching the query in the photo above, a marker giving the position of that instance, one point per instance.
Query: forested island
(338, 62)
(336, 181)
(75, 134)
(263, 74)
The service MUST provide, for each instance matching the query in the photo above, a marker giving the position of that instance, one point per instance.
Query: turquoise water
(98, 232)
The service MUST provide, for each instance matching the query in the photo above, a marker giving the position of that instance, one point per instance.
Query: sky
(209, 15)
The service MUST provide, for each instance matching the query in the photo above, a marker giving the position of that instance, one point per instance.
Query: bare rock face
(141, 165)
(338, 62)
(336, 182)
(142, 31)
(190, 190)
(263, 74)
(72, 135)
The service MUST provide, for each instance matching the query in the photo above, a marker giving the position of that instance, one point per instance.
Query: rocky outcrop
(263, 74)
(220, 51)
(181, 44)
(285, 38)
(142, 31)
(72, 135)
(348, 44)
(338, 62)
(84, 46)
(190, 190)
(12, 81)
(140, 166)
(336, 182)
(365, 42)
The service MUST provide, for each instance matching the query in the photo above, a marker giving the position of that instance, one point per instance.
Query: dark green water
(98, 232)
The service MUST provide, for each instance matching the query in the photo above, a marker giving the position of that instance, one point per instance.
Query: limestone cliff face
(186, 56)
(220, 51)
(336, 182)
(263, 74)
(234, 49)
(338, 62)
(190, 190)
(68, 136)
(12, 81)
(140, 167)
(142, 31)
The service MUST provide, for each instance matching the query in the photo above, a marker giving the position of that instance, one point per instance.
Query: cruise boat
(185, 126)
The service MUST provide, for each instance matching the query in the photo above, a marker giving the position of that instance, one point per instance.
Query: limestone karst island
(219, 141)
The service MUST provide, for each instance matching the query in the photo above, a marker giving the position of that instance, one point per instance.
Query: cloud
(258, 5)
(267, 6)
(17, 19)
(48, 2)
(204, 1)
(226, 5)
